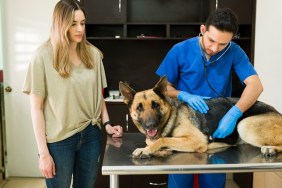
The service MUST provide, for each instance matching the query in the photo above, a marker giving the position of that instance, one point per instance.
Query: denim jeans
(77, 157)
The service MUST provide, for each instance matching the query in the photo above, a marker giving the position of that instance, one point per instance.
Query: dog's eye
(140, 107)
(155, 105)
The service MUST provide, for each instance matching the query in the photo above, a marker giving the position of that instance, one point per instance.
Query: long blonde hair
(63, 16)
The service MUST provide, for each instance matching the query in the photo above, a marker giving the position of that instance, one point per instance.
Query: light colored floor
(24, 183)
(40, 183)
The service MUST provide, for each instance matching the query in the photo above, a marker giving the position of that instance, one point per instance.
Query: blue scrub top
(184, 68)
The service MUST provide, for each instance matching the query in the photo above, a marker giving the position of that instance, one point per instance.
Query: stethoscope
(205, 65)
(203, 57)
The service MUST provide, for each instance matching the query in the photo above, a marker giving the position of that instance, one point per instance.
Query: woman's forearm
(38, 124)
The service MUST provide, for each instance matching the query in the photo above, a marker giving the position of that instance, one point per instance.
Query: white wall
(268, 50)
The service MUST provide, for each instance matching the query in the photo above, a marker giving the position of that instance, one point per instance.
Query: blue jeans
(205, 180)
(77, 156)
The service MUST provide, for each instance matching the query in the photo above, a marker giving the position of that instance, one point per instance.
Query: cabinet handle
(157, 184)
(126, 119)
(119, 6)
(216, 4)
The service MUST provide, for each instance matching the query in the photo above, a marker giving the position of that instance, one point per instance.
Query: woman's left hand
(115, 131)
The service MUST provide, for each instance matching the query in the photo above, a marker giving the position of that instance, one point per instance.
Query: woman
(65, 80)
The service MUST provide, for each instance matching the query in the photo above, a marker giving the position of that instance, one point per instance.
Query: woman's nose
(79, 28)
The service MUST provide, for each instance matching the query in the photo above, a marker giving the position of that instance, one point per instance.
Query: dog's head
(148, 109)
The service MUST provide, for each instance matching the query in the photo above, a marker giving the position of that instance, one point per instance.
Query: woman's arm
(46, 163)
(115, 131)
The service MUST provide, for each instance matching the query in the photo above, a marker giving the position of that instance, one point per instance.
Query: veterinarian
(64, 81)
(201, 68)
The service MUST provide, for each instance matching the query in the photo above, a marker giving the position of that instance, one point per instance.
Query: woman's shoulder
(43, 50)
(94, 49)
(42, 54)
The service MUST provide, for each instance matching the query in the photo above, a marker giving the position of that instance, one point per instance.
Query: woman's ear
(203, 29)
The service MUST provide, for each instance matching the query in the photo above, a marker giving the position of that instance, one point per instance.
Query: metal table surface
(242, 158)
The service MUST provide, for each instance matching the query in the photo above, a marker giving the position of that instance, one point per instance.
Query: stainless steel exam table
(243, 158)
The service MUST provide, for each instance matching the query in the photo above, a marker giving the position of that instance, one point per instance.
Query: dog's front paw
(268, 151)
(140, 153)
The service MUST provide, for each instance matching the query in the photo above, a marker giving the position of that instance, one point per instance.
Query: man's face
(214, 40)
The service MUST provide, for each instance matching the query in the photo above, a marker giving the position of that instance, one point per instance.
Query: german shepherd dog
(170, 125)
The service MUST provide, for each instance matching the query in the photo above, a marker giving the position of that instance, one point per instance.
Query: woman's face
(77, 29)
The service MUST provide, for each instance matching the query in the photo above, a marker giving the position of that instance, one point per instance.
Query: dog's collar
(170, 124)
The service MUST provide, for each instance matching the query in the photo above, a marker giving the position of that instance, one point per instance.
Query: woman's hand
(47, 166)
(115, 131)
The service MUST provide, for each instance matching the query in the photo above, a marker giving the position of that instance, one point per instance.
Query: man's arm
(171, 91)
(251, 93)
(249, 96)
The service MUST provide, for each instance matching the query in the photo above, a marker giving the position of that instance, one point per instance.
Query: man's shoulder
(187, 43)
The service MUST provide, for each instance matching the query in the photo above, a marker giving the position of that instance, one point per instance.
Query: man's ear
(203, 29)
(160, 87)
(127, 92)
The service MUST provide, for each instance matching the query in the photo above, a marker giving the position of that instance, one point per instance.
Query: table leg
(114, 181)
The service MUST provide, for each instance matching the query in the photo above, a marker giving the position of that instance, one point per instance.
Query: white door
(26, 24)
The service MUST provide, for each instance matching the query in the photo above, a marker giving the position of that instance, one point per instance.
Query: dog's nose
(151, 123)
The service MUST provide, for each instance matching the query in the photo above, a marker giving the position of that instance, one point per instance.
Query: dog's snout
(150, 123)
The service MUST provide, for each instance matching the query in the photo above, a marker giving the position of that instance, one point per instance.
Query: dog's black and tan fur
(170, 124)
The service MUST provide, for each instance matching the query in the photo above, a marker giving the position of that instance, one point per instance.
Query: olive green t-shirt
(70, 104)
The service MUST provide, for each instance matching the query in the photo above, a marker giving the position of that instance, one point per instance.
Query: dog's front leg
(153, 148)
(141, 153)
(182, 144)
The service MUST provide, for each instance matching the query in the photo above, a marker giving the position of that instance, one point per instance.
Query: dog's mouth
(151, 132)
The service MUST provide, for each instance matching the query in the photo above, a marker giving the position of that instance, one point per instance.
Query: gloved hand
(227, 123)
(195, 101)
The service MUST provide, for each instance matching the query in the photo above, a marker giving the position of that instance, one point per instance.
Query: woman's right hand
(47, 166)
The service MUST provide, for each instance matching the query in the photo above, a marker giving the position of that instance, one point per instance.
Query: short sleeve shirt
(184, 67)
(70, 104)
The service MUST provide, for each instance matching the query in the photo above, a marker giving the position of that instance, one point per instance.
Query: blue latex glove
(194, 101)
(227, 123)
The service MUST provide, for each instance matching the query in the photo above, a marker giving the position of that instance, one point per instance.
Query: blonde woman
(64, 81)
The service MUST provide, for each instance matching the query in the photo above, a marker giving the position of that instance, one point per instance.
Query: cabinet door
(105, 11)
(243, 9)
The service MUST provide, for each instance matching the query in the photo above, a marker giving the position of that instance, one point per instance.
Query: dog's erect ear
(127, 92)
(160, 87)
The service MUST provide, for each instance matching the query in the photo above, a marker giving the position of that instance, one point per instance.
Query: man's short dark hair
(224, 19)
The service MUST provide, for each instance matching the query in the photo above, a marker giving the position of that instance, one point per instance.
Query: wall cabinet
(135, 35)
(105, 12)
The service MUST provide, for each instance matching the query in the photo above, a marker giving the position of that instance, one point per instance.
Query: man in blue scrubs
(200, 68)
